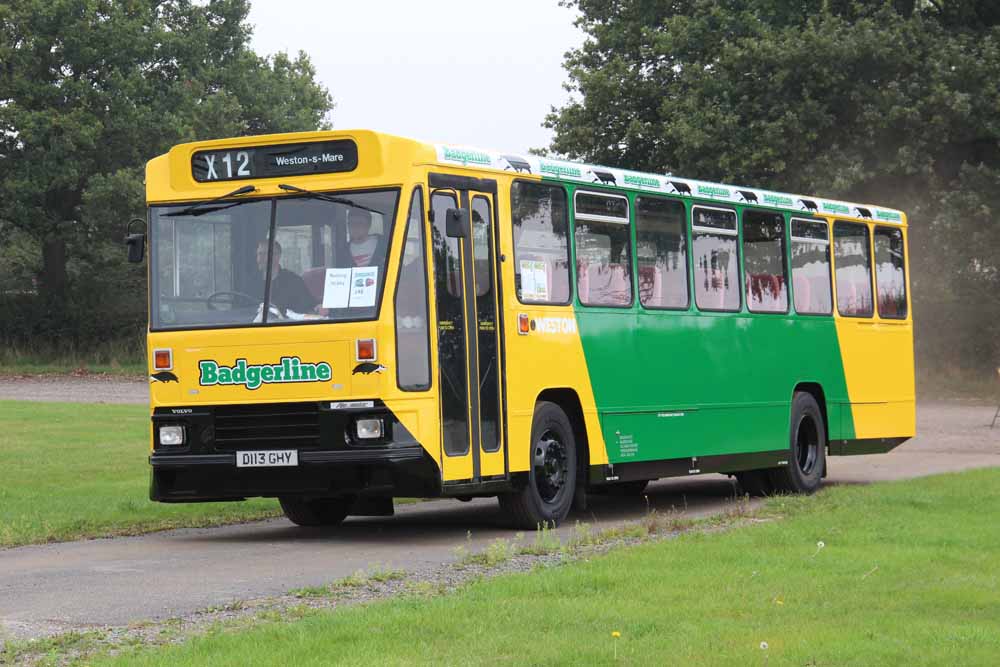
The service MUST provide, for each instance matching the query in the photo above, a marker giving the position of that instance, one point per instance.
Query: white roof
(666, 184)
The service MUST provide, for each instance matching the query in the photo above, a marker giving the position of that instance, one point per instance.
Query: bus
(341, 318)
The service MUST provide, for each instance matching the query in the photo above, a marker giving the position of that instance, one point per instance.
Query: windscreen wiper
(190, 210)
(329, 198)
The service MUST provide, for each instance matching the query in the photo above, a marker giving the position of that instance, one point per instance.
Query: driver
(288, 290)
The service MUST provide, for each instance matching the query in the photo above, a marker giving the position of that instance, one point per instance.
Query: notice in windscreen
(351, 288)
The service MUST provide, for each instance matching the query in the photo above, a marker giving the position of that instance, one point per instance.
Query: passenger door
(469, 328)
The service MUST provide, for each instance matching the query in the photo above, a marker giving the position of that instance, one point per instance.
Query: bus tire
(755, 483)
(548, 496)
(807, 448)
(315, 511)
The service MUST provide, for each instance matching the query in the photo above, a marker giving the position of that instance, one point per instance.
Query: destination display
(235, 164)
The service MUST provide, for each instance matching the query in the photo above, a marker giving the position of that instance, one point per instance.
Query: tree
(91, 89)
(892, 102)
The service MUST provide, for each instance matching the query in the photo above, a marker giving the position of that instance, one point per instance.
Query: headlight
(369, 429)
(171, 435)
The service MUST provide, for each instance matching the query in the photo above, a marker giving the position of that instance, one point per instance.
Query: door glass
(486, 316)
(451, 329)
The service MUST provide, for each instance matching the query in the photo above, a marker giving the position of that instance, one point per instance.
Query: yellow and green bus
(340, 318)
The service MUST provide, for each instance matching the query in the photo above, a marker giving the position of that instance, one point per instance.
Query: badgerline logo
(291, 369)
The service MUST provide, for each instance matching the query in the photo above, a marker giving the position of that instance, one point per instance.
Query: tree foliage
(893, 102)
(91, 89)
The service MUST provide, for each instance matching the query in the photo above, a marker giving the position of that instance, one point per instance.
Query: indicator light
(163, 360)
(366, 349)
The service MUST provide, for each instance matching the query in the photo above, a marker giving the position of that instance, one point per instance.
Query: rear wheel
(316, 511)
(547, 497)
(807, 448)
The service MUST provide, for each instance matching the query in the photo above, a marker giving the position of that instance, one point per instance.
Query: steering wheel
(218, 298)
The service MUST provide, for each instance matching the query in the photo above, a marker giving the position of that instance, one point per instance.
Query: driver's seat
(315, 280)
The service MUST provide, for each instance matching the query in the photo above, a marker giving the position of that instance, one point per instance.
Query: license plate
(267, 458)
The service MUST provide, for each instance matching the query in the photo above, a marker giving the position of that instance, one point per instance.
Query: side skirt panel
(864, 446)
(685, 467)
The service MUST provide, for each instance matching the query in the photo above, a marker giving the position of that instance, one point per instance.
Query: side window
(811, 267)
(890, 272)
(541, 247)
(852, 262)
(661, 253)
(603, 249)
(716, 263)
(413, 349)
(764, 274)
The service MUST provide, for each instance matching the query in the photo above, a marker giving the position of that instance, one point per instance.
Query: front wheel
(315, 511)
(807, 448)
(547, 497)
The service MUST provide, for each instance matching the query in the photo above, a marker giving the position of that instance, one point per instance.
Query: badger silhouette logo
(516, 163)
(603, 177)
(809, 205)
(747, 196)
(367, 368)
(680, 188)
(164, 376)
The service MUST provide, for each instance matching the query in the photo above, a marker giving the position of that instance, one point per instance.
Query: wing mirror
(135, 241)
(456, 223)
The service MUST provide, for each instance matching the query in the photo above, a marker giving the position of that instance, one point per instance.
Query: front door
(469, 333)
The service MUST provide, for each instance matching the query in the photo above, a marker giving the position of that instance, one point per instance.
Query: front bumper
(329, 462)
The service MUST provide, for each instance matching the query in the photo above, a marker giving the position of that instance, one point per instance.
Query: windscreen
(325, 259)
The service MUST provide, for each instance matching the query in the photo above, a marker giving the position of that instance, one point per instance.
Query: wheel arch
(569, 402)
(815, 389)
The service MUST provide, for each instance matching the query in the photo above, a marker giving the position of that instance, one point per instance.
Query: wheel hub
(551, 466)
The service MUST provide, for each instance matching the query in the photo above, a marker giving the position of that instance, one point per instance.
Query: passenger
(363, 244)
(288, 290)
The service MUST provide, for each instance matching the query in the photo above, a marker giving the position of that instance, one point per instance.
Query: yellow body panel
(878, 365)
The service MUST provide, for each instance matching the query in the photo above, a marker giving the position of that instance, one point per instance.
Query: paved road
(84, 389)
(114, 582)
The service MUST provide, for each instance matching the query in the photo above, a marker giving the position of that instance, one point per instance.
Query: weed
(312, 592)
(546, 542)
(499, 551)
(382, 575)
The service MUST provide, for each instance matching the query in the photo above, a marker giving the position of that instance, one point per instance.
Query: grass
(906, 575)
(71, 471)
(122, 358)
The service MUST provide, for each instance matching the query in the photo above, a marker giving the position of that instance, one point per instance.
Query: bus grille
(270, 426)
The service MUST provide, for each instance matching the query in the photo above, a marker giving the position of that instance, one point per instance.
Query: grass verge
(898, 573)
(116, 357)
(71, 471)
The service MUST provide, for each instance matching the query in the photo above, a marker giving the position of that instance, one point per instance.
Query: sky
(473, 72)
